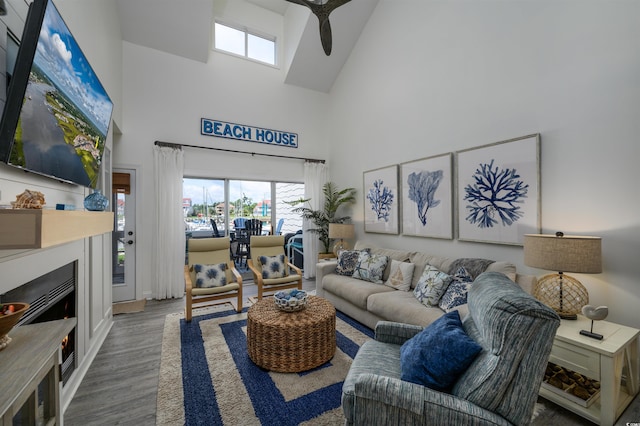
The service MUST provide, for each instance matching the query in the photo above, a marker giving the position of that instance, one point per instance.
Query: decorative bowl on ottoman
(291, 301)
(10, 314)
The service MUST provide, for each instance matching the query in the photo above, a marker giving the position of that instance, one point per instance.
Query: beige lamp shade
(345, 231)
(579, 254)
(341, 232)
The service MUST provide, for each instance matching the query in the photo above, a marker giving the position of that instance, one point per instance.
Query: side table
(613, 361)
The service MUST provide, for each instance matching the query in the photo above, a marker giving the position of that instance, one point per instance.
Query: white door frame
(129, 289)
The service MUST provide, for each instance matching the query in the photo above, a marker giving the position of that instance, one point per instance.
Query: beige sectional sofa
(369, 302)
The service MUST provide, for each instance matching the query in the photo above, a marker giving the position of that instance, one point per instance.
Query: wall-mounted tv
(57, 113)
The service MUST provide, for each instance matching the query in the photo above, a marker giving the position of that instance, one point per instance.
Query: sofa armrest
(395, 332)
(385, 400)
(323, 268)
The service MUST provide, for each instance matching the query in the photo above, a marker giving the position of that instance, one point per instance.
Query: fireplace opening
(51, 297)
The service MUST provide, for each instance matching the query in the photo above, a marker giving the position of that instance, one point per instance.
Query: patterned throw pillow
(456, 294)
(273, 266)
(347, 261)
(432, 285)
(370, 267)
(400, 275)
(210, 275)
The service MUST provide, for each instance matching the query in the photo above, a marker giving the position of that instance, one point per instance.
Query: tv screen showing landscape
(65, 113)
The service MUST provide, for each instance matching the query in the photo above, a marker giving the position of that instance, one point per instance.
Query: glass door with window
(124, 235)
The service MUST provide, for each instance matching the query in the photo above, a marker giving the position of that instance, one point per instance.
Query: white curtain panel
(315, 176)
(169, 247)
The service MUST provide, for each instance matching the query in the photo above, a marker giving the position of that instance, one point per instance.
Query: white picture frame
(427, 197)
(498, 191)
(381, 200)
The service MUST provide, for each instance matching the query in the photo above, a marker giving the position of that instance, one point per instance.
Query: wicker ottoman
(290, 342)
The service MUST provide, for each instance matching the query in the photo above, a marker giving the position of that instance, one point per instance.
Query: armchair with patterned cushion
(271, 268)
(485, 369)
(210, 275)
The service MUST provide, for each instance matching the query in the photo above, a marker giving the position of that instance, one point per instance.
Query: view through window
(204, 202)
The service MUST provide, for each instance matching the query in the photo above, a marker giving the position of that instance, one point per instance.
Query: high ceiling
(184, 29)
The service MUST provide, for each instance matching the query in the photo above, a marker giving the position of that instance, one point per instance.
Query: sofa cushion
(431, 286)
(400, 275)
(507, 268)
(402, 306)
(370, 267)
(456, 293)
(400, 255)
(352, 290)
(422, 260)
(439, 354)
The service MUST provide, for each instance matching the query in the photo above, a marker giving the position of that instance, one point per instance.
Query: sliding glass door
(224, 200)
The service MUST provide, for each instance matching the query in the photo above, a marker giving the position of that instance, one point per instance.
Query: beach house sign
(223, 129)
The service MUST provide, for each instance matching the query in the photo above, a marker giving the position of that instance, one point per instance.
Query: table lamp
(340, 231)
(579, 254)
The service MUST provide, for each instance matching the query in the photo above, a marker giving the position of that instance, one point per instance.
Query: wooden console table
(30, 373)
(613, 361)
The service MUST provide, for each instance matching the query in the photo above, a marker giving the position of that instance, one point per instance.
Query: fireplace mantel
(35, 228)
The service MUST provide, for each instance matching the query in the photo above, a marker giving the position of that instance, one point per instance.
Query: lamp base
(339, 246)
(591, 334)
(563, 294)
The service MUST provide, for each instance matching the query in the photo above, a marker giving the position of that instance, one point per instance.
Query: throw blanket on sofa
(474, 266)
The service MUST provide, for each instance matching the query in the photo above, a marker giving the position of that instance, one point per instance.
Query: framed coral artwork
(381, 200)
(498, 191)
(427, 197)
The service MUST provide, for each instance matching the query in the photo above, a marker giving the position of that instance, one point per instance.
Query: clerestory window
(244, 42)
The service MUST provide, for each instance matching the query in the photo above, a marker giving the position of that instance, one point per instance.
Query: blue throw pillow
(439, 354)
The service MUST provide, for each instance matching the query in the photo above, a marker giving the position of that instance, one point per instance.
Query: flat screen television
(57, 113)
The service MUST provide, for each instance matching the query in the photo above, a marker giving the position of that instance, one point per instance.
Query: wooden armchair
(270, 247)
(213, 282)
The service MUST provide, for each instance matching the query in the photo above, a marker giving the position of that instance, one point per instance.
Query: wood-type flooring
(120, 387)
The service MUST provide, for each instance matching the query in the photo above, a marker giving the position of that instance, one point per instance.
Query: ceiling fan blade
(325, 36)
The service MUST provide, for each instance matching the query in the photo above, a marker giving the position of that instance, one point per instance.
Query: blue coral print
(381, 199)
(494, 196)
(422, 188)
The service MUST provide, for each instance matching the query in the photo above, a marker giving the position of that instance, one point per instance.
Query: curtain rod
(180, 146)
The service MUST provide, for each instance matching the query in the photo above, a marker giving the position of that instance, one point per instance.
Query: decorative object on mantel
(341, 232)
(322, 9)
(10, 314)
(29, 199)
(594, 314)
(96, 202)
(580, 254)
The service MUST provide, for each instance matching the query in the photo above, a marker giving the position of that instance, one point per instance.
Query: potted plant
(333, 200)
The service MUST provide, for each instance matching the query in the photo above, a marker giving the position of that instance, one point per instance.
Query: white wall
(165, 96)
(428, 78)
(95, 27)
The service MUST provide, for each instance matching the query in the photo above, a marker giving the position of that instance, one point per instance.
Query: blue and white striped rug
(207, 378)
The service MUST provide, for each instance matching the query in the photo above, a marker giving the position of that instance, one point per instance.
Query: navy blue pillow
(439, 354)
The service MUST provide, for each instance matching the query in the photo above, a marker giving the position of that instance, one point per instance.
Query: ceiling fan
(322, 9)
